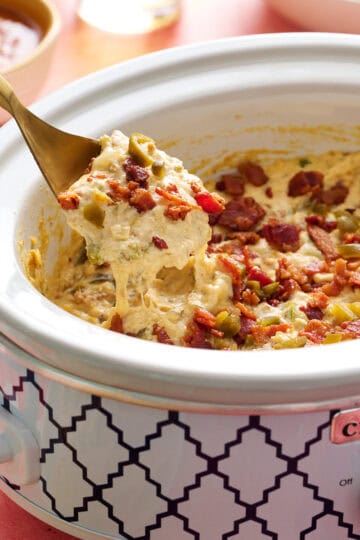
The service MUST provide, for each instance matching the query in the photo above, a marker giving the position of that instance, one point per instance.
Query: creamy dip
(270, 259)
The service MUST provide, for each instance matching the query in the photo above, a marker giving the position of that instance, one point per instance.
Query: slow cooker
(107, 436)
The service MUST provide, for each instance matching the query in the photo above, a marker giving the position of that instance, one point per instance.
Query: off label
(345, 426)
(345, 482)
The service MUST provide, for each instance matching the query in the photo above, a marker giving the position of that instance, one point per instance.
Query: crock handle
(19, 451)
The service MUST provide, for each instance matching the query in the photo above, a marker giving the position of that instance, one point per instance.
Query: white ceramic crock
(108, 436)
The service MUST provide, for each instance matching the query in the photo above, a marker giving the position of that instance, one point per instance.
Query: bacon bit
(69, 200)
(175, 199)
(312, 312)
(352, 328)
(269, 192)
(177, 212)
(353, 265)
(245, 329)
(305, 182)
(354, 280)
(159, 242)
(286, 288)
(249, 237)
(232, 247)
(142, 200)
(136, 173)
(216, 333)
(88, 168)
(323, 242)
(253, 173)
(237, 289)
(232, 267)
(250, 297)
(162, 335)
(132, 185)
(335, 195)
(244, 310)
(118, 192)
(321, 222)
(172, 188)
(288, 270)
(195, 187)
(204, 317)
(281, 236)
(210, 202)
(248, 256)
(316, 330)
(116, 324)
(213, 218)
(241, 214)
(238, 252)
(341, 275)
(262, 334)
(233, 184)
(256, 274)
(351, 238)
(315, 267)
(318, 299)
(196, 337)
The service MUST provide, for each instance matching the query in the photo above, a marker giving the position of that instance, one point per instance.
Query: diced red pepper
(256, 274)
(209, 202)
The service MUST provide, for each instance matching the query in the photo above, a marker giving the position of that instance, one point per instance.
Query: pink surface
(201, 20)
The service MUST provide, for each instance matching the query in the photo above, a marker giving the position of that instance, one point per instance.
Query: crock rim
(146, 366)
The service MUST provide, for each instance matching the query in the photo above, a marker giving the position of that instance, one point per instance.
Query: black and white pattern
(138, 473)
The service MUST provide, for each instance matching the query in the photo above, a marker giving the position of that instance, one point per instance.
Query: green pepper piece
(347, 222)
(270, 289)
(304, 161)
(253, 285)
(220, 318)
(229, 323)
(291, 343)
(222, 344)
(269, 320)
(93, 213)
(136, 151)
(158, 168)
(349, 251)
(319, 208)
(249, 341)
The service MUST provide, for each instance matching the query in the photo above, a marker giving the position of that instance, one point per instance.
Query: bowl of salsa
(28, 32)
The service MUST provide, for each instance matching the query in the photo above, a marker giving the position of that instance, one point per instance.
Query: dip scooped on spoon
(141, 211)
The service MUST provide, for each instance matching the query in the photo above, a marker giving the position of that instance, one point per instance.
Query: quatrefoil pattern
(138, 473)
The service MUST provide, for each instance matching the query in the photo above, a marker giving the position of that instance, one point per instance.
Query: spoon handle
(8, 99)
(61, 157)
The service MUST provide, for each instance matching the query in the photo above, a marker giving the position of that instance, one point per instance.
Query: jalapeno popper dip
(269, 259)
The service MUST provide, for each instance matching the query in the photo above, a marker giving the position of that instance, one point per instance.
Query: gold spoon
(61, 157)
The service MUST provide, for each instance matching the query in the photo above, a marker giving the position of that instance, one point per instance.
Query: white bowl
(321, 15)
(210, 99)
